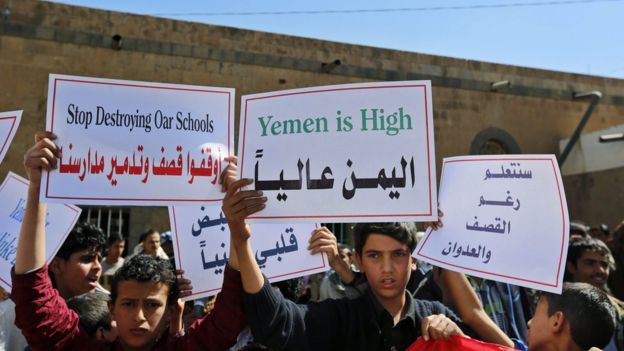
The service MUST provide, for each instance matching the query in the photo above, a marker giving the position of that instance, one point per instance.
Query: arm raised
(31, 245)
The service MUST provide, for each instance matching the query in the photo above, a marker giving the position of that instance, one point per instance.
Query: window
(110, 219)
(494, 141)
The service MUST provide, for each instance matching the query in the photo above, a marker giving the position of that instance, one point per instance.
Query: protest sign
(60, 220)
(137, 143)
(9, 121)
(505, 219)
(355, 152)
(201, 240)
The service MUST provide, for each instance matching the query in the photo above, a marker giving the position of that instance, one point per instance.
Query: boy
(385, 318)
(580, 318)
(76, 269)
(95, 318)
(141, 293)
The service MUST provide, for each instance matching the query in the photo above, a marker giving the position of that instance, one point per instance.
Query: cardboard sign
(201, 241)
(343, 153)
(505, 219)
(60, 220)
(137, 143)
(9, 121)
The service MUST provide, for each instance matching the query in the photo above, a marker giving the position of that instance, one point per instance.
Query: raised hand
(43, 155)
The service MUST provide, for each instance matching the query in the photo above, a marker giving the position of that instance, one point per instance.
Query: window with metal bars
(109, 219)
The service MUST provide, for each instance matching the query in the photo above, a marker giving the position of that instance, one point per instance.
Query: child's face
(387, 264)
(140, 312)
(78, 274)
(538, 336)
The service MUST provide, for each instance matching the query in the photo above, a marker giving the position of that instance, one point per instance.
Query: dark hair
(578, 247)
(589, 312)
(83, 236)
(146, 268)
(404, 232)
(146, 234)
(290, 288)
(113, 238)
(579, 228)
(92, 309)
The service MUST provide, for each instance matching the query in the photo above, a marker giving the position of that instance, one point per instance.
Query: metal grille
(109, 219)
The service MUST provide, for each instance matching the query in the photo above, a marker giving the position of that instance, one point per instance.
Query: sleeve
(218, 330)
(275, 321)
(519, 321)
(42, 314)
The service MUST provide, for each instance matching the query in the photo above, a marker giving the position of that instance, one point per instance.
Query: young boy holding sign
(142, 293)
(386, 317)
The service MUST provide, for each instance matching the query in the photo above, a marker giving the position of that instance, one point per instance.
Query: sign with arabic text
(505, 219)
(9, 121)
(344, 153)
(60, 220)
(137, 143)
(201, 240)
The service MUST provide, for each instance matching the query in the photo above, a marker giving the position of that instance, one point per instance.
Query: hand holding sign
(31, 253)
(497, 208)
(185, 286)
(323, 240)
(238, 204)
(201, 241)
(228, 176)
(435, 225)
(43, 155)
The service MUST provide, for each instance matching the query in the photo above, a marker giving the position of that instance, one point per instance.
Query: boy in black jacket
(385, 318)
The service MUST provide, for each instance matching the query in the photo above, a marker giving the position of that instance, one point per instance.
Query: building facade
(479, 107)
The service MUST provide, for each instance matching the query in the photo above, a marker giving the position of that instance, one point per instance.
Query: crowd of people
(93, 296)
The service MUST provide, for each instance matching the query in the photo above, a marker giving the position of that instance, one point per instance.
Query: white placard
(505, 219)
(201, 240)
(342, 153)
(9, 121)
(60, 220)
(137, 143)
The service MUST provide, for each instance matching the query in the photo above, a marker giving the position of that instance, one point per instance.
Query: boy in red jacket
(142, 296)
